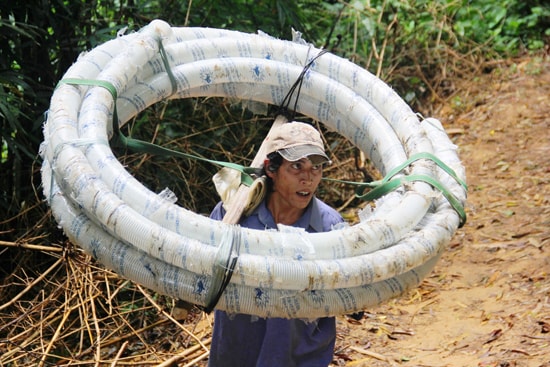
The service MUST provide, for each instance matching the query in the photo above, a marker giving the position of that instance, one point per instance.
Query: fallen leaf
(492, 278)
(495, 334)
(507, 213)
(520, 351)
(374, 355)
(544, 326)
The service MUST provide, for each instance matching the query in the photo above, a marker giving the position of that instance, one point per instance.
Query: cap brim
(298, 152)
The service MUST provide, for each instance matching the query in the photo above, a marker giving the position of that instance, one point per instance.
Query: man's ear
(268, 170)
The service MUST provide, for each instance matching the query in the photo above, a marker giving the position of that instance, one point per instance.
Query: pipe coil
(145, 237)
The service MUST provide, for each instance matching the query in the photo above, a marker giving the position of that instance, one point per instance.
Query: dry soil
(487, 303)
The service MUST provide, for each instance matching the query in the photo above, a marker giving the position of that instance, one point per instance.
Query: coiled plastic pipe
(145, 237)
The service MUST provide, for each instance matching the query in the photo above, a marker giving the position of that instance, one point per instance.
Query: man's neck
(283, 213)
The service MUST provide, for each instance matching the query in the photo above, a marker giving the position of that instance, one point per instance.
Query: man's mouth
(303, 193)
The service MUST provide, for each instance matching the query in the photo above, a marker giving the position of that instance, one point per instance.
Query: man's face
(296, 182)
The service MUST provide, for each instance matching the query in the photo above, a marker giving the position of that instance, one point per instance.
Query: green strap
(135, 145)
(164, 58)
(425, 155)
(393, 184)
(380, 188)
(388, 183)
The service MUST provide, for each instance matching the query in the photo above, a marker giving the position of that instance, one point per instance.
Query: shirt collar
(311, 220)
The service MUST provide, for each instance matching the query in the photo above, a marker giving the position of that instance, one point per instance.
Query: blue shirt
(240, 340)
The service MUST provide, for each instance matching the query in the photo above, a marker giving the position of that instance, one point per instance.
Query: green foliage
(19, 131)
(507, 26)
(412, 44)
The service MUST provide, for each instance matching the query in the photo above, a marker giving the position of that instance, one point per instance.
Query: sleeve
(218, 212)
(329, 216)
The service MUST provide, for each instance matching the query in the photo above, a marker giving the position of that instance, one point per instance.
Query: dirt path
(488, 301)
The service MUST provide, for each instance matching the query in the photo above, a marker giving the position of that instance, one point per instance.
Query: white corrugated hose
(147, 238)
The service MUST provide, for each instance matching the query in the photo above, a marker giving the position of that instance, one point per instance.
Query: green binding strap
(248, 174)
(388, 183)
(120, 140)
(425, 155)
(380, 188)
(393, 184)
(164, 57)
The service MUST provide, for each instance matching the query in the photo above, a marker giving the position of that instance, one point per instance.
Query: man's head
(294, 165)
(296, 140)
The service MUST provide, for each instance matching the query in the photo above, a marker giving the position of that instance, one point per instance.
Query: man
(294, 168)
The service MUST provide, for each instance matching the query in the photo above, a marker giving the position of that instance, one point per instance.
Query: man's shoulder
(329, 214)
(325, 208)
